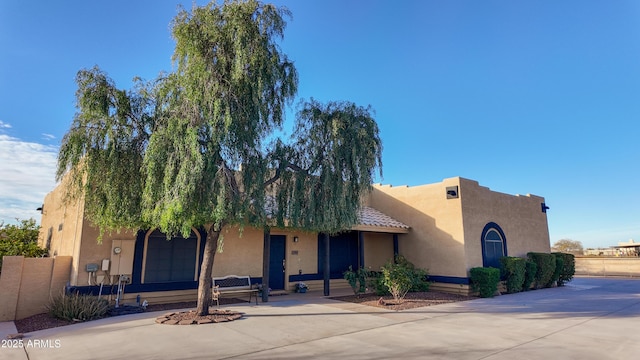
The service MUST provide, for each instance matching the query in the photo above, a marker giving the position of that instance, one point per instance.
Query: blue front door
(276, 262)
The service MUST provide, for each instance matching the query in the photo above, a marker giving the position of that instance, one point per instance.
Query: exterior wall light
(295, 239)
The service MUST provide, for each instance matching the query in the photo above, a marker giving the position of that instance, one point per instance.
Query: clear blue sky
(538, 97)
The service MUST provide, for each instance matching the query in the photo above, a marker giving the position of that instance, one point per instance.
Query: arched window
(494, 245)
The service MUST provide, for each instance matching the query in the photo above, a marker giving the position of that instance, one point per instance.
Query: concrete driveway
(590, 318)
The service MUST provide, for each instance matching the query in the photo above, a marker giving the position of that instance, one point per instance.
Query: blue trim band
(449, 279)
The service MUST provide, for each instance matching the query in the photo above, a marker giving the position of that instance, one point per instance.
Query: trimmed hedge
(568, 268)
(485, 280)
(529, 274)
(557, 270)
(513, 272)
(546, 266)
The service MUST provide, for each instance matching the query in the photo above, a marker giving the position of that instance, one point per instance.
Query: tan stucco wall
(445, 233)
(242, 252)
(306, 260)
(520, 218)
(27, 284)
(10, 280)
(93, 251)
(378, 250)
(436, 239)
(65, 221)
(608, 266)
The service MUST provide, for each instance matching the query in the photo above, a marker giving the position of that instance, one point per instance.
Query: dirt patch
(411, 301)
(191, 318)
(46, 321)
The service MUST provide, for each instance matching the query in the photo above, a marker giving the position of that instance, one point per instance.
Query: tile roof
(372, 217)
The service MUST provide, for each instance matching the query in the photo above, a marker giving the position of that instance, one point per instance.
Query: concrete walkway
(590, 318)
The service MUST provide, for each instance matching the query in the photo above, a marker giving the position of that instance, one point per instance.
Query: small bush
(546, 266)
(529, 274)
(568, 268)
(513, 271)
(418, 276)
(357, 279)
(78, 307)
(402, 276)
(485, 280)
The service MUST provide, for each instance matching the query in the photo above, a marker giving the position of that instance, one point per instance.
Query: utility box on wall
(122, 257)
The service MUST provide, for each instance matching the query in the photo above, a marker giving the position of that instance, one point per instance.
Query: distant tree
(20, 239)
(568, 246)
(196, 148)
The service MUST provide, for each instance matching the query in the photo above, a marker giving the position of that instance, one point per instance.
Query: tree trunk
(204, 284)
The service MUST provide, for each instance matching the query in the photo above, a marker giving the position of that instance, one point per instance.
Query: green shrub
(568, 268)
(376, 282)
(78, 307)
(485, 280)
(513, 270)
(21, 239)
(529, 274)
(419, 277)
(546, 266)
(557, 270)
(357, 279)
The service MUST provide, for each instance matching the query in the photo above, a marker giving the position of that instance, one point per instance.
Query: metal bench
(232, 285)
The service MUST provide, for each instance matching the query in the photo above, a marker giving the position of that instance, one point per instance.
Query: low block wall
(608, 266)
(27, 284)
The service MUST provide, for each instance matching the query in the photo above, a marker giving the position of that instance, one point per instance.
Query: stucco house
(446, 227)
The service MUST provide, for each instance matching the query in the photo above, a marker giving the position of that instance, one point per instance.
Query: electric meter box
(122, 257)
(92, 267)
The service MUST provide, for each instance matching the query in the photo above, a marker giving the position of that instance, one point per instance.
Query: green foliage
(335, 153)
(197, 146)
(513, 271)
(20, 239)
(402, 276)
(531, 270)
(376, 282)
(357, 279)
(78, 307)
(485, 280)
(559, 265)
(546, 266)
(418, 276)
(568, 268)
(103, 150)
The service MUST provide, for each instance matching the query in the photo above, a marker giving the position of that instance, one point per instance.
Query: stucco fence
(608, 266)
(27, 284)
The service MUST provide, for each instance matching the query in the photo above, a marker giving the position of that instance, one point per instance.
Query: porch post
(265, 264)
(395, 246)
(361, 249)
(327, 263)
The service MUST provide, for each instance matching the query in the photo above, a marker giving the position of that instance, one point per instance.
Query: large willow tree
(196, 147)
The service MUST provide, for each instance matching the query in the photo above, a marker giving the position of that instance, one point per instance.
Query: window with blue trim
(170, 260)
(494, 245)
